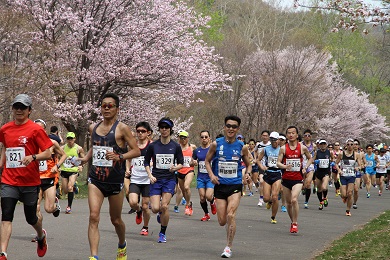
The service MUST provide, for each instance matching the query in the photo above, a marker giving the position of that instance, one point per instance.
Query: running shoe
(57, 211)
(321, 205)
(68, 210)
(213, 208)
(162, 238)
(206, 217)
(176, 209)
(42, 245)
(354, 206)
(121, 254)
(268, 205)
(338, 193)
(347, 213)
(294, 228)
(191, 209)
(250, 194)
(326, 202)
(368, 195)
(3, 256)
(76, 188)
(227, 253)
(314, 190)
(132, 211)
(380, 193)
(183, 201)
(261, 202)
(144, 232)
(159, 217)
(283, 208)
(187, 210)
(92, 258)
(138, 217)
(273, 221)
(387, 187)
(306, 205)
(303, 192)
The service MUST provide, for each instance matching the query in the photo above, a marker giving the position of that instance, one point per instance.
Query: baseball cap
(71, 134)
(240, 136)
(40, 121)
(165, 121)
(322, 141)
(274, 135)
(24, 99)
(183, 133)
(282, 137)
(382, 150)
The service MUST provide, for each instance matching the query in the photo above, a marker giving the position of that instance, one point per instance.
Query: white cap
(282, 137)
(274, 135)
(322, 141)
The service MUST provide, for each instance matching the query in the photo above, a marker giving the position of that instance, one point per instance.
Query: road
(189, 238)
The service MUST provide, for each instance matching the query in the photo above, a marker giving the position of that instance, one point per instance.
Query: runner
(322, 158)
(381, 169)
(309, 175)
(165, 153)
(371, 162)
(55, 135)
(290, 159)
(69, 171)
(204, 185)
(255, 167)
(109, 141)
(140, 180)
(49, 178)
(356, 187)
(23, 144)
(350, 162)
(272, 174)
(186, 173)
(335, 175)
(259, 146)
(223, 166)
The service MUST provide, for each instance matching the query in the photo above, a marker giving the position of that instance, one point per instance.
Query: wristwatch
(34, 156)
(121, 156)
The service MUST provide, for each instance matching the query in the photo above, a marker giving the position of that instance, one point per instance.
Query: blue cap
(165, 121)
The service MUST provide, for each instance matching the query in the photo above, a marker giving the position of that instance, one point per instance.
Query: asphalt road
(189, 238)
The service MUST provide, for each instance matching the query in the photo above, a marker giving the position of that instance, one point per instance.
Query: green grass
(369, 242)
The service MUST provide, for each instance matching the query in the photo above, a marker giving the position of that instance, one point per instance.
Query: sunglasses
(19, 106)
(307, 135)
(69, 138)
(141, 131)
(350, 144)
(204, 137)
(109, 105)
(164, 127)
(356, 144)
(330, 146)
(336, 145)
(231, 126)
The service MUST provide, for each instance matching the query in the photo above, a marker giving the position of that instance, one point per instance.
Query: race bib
(323, 163)
(187, 161)
(99, 156)
(227, 169)
(202, 167)
(348, 171)
(14, 156)
(295, 164)
(68, 163)
(138, 163)
(370, 163)
(43, 166)
(272, 161)
(164, 161)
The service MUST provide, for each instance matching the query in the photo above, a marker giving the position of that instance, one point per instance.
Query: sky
(290, 3)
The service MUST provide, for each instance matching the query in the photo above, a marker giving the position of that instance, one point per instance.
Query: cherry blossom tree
(149, 52)
(299, 87)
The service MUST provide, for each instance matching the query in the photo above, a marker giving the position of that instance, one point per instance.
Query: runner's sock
(163, 229)
(307, 194)
(337, 185)
(204, 207)
(319, 195)
(70, 198)
(325, 192)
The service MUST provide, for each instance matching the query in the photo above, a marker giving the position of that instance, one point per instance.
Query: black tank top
(116, 173)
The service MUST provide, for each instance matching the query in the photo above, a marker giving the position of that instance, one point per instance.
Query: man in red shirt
(22, 140)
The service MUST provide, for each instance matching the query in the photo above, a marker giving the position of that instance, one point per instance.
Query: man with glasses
(139, 179)
(167, 157)
(260, 146)
(290, 159)
(204, 185)
(70, 171)
(309, 175)
(24, 144)
(349, 164)
(223, 164)
(112, 143)
(186, 173)
(272, 174)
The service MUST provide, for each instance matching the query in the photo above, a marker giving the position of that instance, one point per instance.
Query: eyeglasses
(141, 131)
(231, 126)
(336, 145)
(19, 106)
(204, 137)
(307, 135)
(109, 105)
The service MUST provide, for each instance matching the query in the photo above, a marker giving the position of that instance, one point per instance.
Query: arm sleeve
(148, 155)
